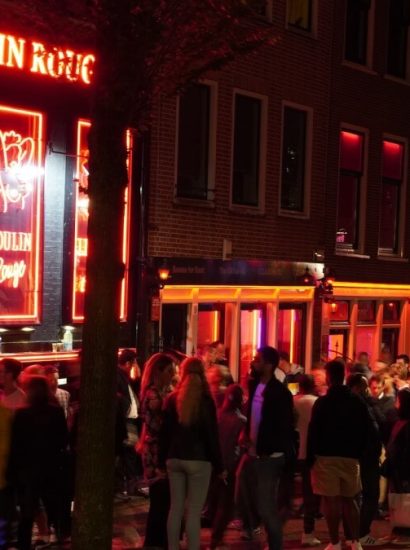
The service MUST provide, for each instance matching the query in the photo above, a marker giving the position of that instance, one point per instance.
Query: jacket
(5, 425)
(277, 424)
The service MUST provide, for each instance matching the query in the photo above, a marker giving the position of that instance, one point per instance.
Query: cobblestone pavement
(130, 520)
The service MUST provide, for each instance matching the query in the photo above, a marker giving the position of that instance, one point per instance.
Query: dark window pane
(351, 151)
(392, 160)
(245, 188)
(389, 215)
(366, 312)
(356, 30)
(300, 14)
(293, 159)
(339, 312)
(391, 312)
(399, 19)
(390, 342)
(348, 208)
(193, 143)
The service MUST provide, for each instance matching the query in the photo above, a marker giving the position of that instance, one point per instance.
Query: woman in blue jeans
(189, 446)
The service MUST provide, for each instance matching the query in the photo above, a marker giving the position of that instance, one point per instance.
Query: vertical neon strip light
(215, 333)
(292, 335)
(255, 316)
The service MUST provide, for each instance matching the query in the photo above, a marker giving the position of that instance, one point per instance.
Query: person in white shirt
(303, 403)
(12, 397)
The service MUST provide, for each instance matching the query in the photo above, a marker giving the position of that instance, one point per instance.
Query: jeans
(245, 496)
(189, 482)
(311, 502)
(156, 526)
(224, 507)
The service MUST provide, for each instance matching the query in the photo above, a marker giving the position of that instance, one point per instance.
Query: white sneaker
(355, 545)
(331, 546)
(309, 539)
(368, 540)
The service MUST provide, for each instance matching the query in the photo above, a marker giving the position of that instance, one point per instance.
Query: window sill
(358, 67)
(352, 254)
(247, 210)
(195, 203)
(302, 32)
(392, 258)
(397, 79)
(293, 214)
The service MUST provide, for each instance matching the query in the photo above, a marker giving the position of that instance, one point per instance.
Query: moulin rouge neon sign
(36, 58)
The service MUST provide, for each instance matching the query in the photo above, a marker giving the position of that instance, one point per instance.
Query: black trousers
(156, 526)
(224, 507)
(311, 502)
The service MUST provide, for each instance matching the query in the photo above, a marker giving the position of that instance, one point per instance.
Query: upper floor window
(357, 21)
(350, 189)
(292, 195)
(194, 142)
(260, 7)
(398, 43)
(300, 14)
(392, 179)
(247, 150)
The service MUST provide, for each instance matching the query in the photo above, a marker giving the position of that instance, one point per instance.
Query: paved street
(130, 519)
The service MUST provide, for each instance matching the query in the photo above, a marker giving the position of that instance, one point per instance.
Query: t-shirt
(303, 405)
(256, 417)
(15, 400)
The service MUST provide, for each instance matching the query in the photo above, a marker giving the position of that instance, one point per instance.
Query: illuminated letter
(38, 65)
(16, 52)
(87, 68)
(2, 48)
(69, 65)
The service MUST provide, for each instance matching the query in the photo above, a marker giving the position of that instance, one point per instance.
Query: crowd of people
(209, 451)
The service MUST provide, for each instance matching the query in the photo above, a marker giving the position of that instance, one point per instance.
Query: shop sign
(34, 57)
(81, 226)
(21, 159)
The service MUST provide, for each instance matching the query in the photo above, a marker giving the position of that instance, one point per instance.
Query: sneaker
(235, 524)
(257, 532)
(401, 541)
(368, 540)
(309, 539)
(356, 545)
(331, 546)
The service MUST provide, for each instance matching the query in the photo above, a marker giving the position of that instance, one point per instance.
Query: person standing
(155, 386)
(303, 403)
(269, 438)
(12, 397)
(189, 446)
(5, 497)
(336, 441)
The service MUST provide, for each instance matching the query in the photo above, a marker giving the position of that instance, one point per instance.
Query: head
(358, 384)
(403, 399)
(219, 348)
(127, 361)
(158, 371)
(284, 361)
(307, 385)
(363, 358)
(358, 368)
(38, 390)
(215, 377)
(192, 387)
(209, 355)
(403, 360)
(265, 361)
(52, 376)
(376, 385)
(29, 372)
(10, 370)
(335, 373)
(233, 398)
(379, 366)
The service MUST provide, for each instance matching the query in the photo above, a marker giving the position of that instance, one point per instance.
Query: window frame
(386, 252)
(260, 207)
(212, 129)
(369, 58)
(305, 213)
(312, 31)
(357, 250)
(389, 75)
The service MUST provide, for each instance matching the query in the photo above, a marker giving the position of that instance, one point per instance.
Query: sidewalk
(130, 522)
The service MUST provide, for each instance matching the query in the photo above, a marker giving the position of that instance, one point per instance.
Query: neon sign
(34, 57)
(81, 223)
(21, 157)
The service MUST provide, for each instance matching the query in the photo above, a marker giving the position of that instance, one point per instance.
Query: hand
(223, 476)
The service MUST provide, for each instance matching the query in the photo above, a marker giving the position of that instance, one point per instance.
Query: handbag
(399, 507)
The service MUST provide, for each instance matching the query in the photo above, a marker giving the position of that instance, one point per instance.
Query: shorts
(334, 476)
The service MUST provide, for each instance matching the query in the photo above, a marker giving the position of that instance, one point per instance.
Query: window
(193, 143)
(260, 7)
(247, 147)
(350, 182)
(392, 177)
(293, 160)
(300, 14)
(357, 15)
(397, 54)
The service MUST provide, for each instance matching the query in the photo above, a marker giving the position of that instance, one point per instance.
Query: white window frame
(305, 214)
(359, 251)
(260, 208)
(382, 252)
(213, 113)
(314, 21)
(368, 66)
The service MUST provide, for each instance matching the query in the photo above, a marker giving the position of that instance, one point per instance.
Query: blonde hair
(192, 388)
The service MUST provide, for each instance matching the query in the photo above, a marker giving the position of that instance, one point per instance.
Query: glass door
(291, 331)
(252, 337)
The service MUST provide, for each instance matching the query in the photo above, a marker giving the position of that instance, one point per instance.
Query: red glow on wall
(21, 170)
(351, 151)
(392, 160)
(81, 225)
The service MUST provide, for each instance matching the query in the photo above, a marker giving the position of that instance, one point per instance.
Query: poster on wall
(21, 173)
(81, 224)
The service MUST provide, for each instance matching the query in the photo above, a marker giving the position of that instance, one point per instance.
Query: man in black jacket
(269, 433)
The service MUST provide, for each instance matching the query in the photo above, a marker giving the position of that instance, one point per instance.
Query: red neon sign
(81, 224)
(21, 161)
(34, 57)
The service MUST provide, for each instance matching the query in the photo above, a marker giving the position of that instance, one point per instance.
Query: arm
(212, 431)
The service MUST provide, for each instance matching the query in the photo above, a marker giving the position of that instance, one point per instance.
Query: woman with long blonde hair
(189, 446)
